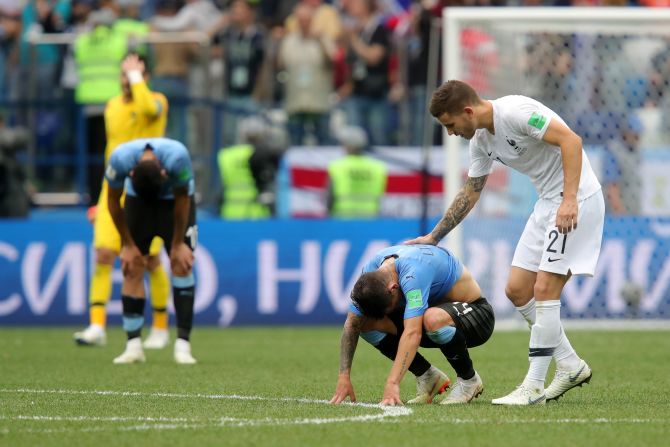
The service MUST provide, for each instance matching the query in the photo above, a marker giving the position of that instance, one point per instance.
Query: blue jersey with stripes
(425, 273)
(171, 154)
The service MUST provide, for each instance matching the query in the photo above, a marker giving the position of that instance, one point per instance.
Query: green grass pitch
(246, 391)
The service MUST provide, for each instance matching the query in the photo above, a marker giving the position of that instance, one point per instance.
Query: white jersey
(520, 124)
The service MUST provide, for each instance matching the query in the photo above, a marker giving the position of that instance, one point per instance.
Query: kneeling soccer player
(410, 296)
(159, 184)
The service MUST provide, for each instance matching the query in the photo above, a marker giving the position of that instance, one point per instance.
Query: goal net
(606, 72)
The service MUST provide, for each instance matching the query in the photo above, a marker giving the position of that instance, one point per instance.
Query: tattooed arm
(350, 332)
(465, 200)
(407, 347)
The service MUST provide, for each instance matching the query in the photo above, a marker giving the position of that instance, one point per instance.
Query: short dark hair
(452, 97)
(147, 179)
(370, 295)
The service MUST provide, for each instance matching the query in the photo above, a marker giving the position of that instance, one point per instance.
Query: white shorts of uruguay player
(543, 247)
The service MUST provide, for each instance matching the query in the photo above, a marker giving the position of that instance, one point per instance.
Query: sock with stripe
(564, 354)
(183, 293)
(545, 335)
(453, 345)
(133, 315)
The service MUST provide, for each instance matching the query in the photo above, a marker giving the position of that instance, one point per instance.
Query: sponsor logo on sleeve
(185, 174)
(110, 172)
(537, 121)
(414, 299)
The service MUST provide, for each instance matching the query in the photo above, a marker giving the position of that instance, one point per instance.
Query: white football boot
(93, 335)
(522, 395)
(567, 380)
(182, 352)
(464, 390)
(133, 353)
(157, 339)
(430, 384)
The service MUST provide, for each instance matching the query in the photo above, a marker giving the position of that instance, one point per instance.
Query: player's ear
(469, 111)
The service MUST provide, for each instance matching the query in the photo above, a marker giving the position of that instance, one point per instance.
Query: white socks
(527, 311)
(565, 356)
(545, 335)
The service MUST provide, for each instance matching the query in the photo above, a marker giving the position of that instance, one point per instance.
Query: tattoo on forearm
(477, 183)
(352, 330)
(404, 363)
(460, 207)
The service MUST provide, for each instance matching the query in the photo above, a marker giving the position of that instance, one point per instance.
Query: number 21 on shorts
(554, 245)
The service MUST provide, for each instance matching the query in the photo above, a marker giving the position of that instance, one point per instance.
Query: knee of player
(542, 289)
(435, 318)
(179, 270)
(153, 262)
(105, 256)
(373, 337)
(134, 274)
(517, 293)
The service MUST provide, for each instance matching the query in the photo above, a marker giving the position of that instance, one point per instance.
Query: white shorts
(542, 247)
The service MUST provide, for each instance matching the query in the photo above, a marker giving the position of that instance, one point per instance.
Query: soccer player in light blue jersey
(411, 296)
(158, 180)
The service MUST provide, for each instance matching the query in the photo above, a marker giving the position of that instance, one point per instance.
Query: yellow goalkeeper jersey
(145, 116)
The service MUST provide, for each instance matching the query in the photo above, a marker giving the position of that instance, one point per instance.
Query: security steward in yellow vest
(356, 182)
(98, 54)
(240, 194)
(130, 25)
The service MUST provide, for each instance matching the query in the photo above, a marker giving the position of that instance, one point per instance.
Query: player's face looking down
(463, 124)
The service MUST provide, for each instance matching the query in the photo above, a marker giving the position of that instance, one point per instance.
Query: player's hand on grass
(344, 389)
(425, 240)
(181, 259)
(391, 394)
(566, 217)
(131, 257)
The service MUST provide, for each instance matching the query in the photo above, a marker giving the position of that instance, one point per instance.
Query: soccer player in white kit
(525, 135)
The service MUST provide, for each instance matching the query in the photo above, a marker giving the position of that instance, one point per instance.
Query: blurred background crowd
(309, 68)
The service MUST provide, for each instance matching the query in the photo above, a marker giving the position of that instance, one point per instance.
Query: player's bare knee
(178, 270)
(153, 262)
(436, 318)
(105, 256)
(519, 294)
(543, 290)
(134, 274)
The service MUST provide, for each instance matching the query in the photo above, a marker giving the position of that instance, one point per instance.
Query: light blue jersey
(172, 156)
(425, 272)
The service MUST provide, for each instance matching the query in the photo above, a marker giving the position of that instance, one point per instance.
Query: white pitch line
(92, 419)
(164, 423)
(460, 421)
(181, 423)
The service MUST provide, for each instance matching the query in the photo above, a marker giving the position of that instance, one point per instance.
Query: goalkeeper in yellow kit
(136, 113)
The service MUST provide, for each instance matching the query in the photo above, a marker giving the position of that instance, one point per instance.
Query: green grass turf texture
(627, 402)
